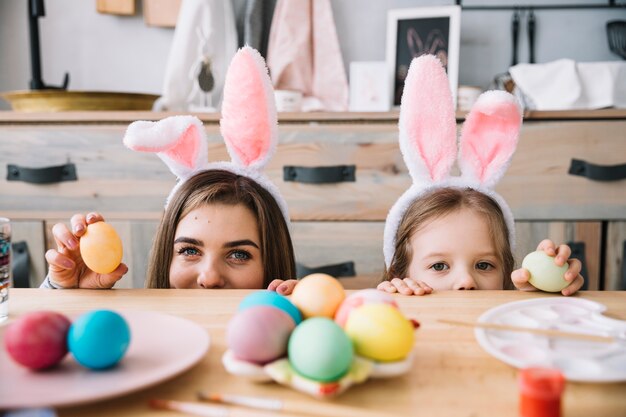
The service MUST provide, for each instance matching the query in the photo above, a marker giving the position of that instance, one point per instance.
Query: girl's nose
(465, 282)
(211, 277)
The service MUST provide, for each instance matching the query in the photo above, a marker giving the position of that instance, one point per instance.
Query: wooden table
(451, 376)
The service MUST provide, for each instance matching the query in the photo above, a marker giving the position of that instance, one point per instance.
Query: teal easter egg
(98, 339)
(544, 273)
(273, 299)
(320, 350)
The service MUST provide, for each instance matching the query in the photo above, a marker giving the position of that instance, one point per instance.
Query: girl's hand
(561, 255)
(66, 266)
(283, 287)
(406, 286)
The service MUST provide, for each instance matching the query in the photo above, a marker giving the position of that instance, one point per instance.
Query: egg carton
(282, 372)
(578, 360)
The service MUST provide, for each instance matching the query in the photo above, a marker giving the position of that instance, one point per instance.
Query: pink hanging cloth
(304, 54)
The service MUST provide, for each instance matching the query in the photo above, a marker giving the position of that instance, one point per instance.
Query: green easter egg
(544, 273)
(320, 350)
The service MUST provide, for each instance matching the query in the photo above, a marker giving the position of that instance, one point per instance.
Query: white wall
(112, 53)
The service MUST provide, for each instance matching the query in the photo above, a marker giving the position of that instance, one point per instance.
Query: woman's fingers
(286, 288)
(274, 284)
(64, 238)
(103, 281)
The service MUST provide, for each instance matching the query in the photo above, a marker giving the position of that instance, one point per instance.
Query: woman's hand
(283, 287)
(406, 286)
(66, 267)
(561, 256)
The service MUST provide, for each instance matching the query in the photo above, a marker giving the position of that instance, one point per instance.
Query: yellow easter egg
(380, 332)
(318, 295)
(101, 248)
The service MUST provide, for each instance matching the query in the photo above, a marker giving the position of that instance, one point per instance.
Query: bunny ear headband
(428, 142)
(248, 125)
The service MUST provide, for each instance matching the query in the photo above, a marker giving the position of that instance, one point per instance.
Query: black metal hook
(36, 10)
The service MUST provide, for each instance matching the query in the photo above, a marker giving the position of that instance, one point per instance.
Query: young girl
(225, 224)
(456, 233)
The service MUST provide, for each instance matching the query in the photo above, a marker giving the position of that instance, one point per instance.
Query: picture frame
(417, 31)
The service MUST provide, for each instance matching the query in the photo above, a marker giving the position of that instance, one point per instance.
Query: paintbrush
(275, 404)
(207, 410)
(543, 332)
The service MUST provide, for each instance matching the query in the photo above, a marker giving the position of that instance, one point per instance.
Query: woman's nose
(211, 276)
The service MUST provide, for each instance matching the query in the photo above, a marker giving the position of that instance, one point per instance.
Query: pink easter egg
(259, 334)
(360, 298)
(38, 340)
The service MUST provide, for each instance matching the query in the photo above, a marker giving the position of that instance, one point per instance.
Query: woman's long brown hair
(224, 187)
(440, 203)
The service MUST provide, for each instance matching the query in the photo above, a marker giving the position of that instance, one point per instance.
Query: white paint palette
(578, 360)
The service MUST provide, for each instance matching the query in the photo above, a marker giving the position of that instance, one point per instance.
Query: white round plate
(578, 360)
(161, 347)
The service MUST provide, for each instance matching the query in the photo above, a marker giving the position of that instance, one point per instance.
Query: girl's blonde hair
(224, 187)
(440, 203)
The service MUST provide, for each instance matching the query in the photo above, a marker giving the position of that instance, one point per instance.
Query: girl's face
(217, 246)
(456, 252)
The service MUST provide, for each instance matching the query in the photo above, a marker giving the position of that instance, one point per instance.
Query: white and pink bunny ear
(427, 121)
(249, 121)
(489, 138)
(180, 141)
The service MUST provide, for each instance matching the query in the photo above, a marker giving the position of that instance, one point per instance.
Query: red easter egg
(38, 340)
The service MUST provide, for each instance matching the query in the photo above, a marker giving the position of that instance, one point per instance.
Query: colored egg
(38, 340)
(380, 332)
(101, 248)
(259, 334)
(544, 273)
(320, 350)
(318, 295)
(99, 339)
(271, 298)
(360, 298)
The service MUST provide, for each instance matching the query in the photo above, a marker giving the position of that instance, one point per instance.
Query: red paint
(540, 392)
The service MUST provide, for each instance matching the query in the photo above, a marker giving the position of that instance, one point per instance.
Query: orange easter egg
(101, 248)
(318, 295)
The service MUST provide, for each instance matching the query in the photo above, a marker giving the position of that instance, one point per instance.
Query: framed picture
(418, 31)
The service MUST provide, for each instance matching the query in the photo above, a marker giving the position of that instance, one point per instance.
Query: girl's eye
(439, 266)
(240, 255)
(188, 251)
(484, 266)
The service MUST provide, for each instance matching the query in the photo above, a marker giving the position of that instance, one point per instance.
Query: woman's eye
(439, 266)
(188, 251)
(484, 266)
(240, 255)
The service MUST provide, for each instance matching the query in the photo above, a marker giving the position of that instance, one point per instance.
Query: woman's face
(217, 246)
(456, 252)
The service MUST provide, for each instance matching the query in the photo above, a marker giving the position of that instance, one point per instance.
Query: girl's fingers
(386, 286)
(414, 286)
(563, 253)
(520, 279)
(401, 286)
(63, 237)
(547, 246)
(425, 287)
(573, 271)
(574, 286)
